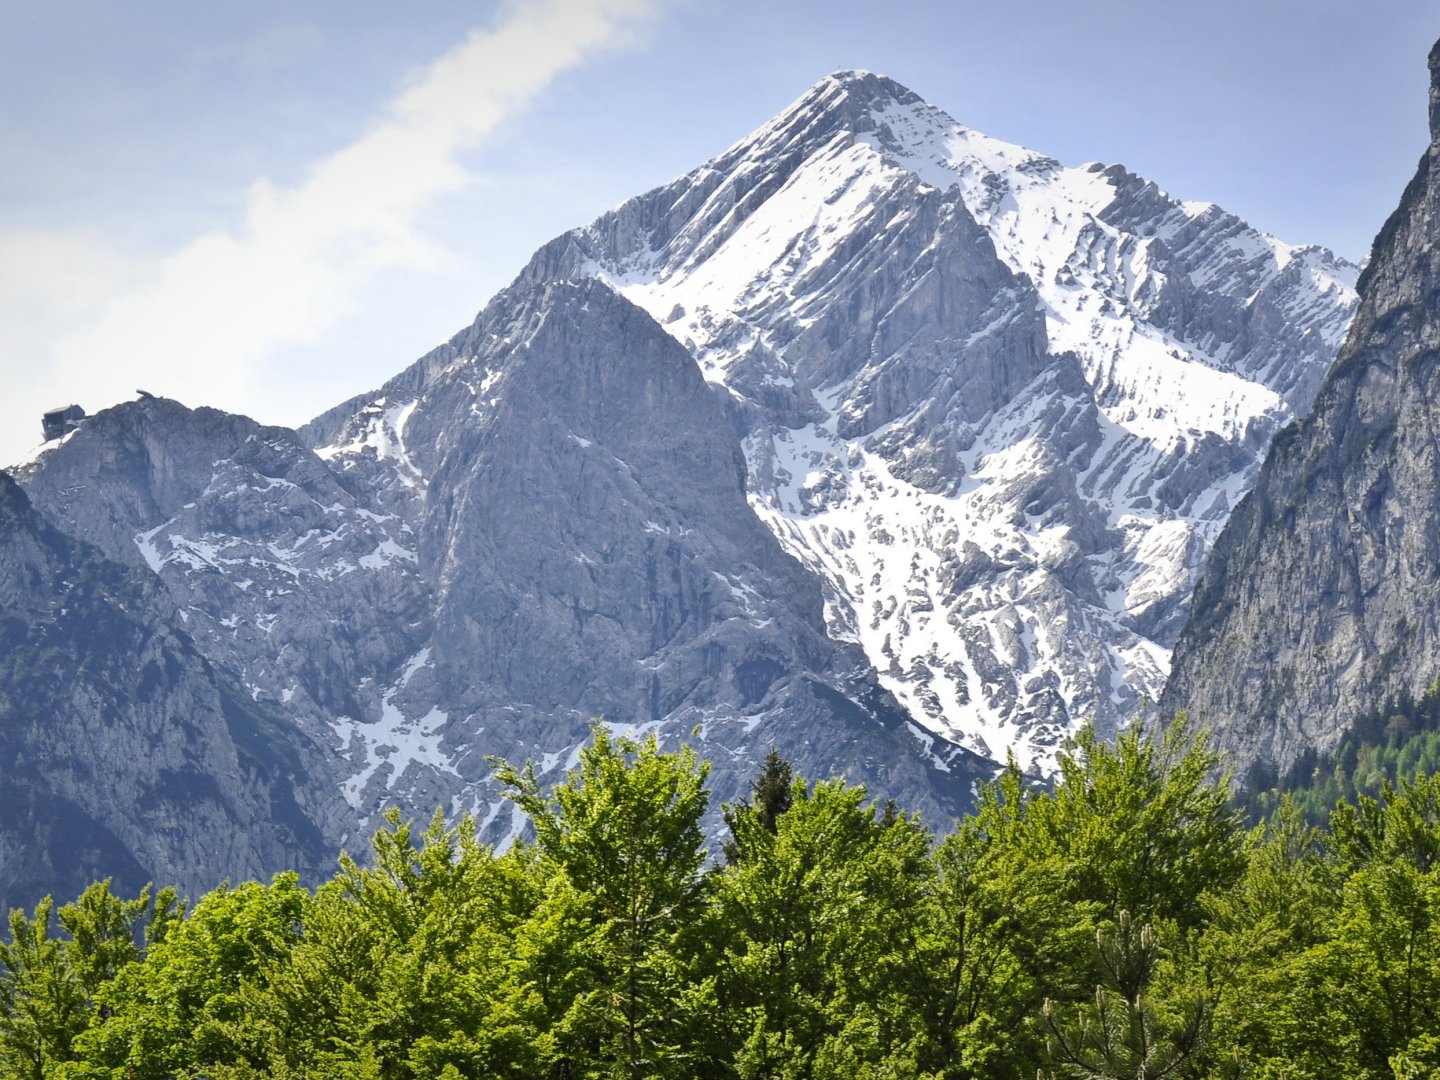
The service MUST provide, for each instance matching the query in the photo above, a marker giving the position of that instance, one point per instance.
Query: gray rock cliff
(999, 406)
(1321, 599)
(543, 523)
(127, 754)
(579, 505)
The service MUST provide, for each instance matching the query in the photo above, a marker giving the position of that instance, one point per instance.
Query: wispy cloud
(207, 316)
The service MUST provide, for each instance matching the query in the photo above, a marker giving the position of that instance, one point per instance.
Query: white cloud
(50, 282)
(201, 326)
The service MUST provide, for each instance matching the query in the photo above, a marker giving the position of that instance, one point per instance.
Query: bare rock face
(306, 594)
(543, 524)
(585, 533)
(1321, 600)
(127, 754)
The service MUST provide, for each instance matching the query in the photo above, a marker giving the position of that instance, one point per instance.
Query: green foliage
(42, 1003)
(50, 986)
(771, 796)
(1127, 1034)
(1141, 826)
(1119, 924)
(404, 966)
(181, 1006)
(815, 916)
(1398, 742)
(996, 931)
(613, 943)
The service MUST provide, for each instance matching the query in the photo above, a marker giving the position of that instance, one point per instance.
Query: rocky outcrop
(593, 554)
(290, 580)
(128, 755)
(1321, 600)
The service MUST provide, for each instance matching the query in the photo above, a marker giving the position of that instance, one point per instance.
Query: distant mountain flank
(127, 753)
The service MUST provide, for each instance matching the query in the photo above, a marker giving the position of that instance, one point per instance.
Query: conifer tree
(770, 796)
(1124, 1035)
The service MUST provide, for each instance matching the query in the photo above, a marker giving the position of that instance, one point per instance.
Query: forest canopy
(1122, 923)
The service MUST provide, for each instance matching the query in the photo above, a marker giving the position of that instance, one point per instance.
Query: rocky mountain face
(1000, 407)
(874, 440)
(128, 755)
(1321, 600)
(283, 576)
(543, 524)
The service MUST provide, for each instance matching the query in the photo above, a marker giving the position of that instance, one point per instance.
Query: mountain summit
(1000, 406)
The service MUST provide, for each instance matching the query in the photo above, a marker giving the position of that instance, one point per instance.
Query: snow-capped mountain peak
(874, 438)
(1000, 404)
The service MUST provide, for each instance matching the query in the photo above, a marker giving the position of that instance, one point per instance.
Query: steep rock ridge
(127, 754)
(579, 501)
(1002, 407)
(1321, 599)
(279, 572)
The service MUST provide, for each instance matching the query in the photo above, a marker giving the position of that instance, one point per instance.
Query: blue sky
(269, 207)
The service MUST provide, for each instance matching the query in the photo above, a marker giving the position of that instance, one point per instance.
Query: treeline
(1402, 739)
(1122, 924)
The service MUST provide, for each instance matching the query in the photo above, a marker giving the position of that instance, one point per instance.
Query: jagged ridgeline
(1321, 600)
(874, 439)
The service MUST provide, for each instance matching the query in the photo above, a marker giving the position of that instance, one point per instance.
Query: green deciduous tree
(1257, 935)
(404, 969)
(614, 944)
(1142, 826)
(49, 985)
(817, 915)
(995, 933)
(181, 1007)
(43, 1005)
(1377, 980)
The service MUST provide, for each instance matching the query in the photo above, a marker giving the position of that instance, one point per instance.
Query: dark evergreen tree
(770, 796)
